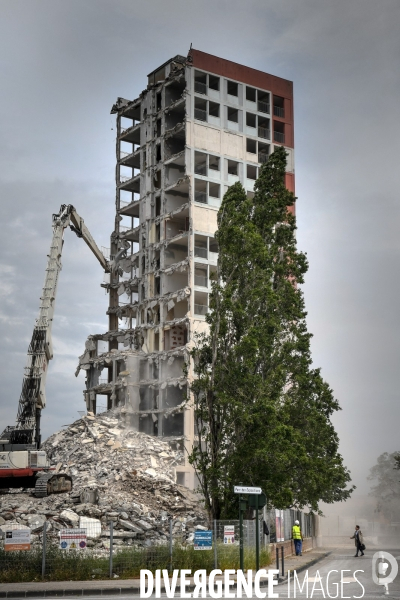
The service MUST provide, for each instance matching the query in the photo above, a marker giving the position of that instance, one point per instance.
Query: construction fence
(96, 553)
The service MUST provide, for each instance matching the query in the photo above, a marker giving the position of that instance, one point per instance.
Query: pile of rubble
(119, 476)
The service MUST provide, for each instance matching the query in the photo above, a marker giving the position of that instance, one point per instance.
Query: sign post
(257, 500)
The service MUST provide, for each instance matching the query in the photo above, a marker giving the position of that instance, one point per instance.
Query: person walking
(297, 538)
(358, 541)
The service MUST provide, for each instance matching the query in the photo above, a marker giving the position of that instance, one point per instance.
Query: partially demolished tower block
(202, 124)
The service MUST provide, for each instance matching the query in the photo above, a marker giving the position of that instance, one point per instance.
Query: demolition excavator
(22, 463)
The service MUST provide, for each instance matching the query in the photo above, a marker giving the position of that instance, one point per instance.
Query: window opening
(213, 109)
(213, 162)
(213, 82)
(263, 128)
(214, 189)
(233, 114)
(263, 101)
(200, 191)
(200, 82)
(251, 172)
(279, 110)
(233, 88)
(200, 163)
(251, 120)
(200, 109)
(233, 167)
(250, 94)
(251, 146)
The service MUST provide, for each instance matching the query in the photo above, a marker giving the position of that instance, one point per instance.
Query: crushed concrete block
(92, 526)
(35, 522)
(130, 526)
(145, 525)
(70, 516)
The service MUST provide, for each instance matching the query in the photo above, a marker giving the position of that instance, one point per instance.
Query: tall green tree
(386, 490)
(262, 412)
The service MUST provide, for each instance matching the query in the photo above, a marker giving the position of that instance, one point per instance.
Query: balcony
(131, 134)
(264, 133)
(130, 209)
(130, 184)
(279, 137)
(130, 159)
(262, 157)
(263, 107)
(279, 111)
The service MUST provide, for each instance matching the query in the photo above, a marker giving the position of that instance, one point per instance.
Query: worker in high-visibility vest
(297, 538)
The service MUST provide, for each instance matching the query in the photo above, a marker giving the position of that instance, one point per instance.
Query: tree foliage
(387, 489)
(262, 412)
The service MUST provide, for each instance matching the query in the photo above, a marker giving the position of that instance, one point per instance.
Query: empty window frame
(200, 246)
(279, 106)
(213, 162)
(204, 162)
(251, 120)
(252, 172)
(260, 97)
(214, 189)
(212, 247)
(251, 146)
(233, 114)
(213, 82)
(200, 82)
(200, 191)
(263, 128)
(232, 88)
(200, 303)
(203, 190)
(205, 81)
(213, 109)
(200, 163)
(201, 274)
(263, 102)
(251, 94)
(263, 152)
(279, 132)
(233, 167)
(200, 109)
(259, 148)
(203, 108)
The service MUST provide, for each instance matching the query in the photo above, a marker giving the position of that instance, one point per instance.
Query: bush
(75, 565)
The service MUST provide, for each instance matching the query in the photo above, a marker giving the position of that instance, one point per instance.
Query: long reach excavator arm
(26, 433)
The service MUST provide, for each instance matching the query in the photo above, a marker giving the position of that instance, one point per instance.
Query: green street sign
(262, 500)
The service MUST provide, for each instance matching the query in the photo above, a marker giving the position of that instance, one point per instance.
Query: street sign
(17, 539)
(73, 539)
(203, 540)
(229, 534)
(242, 489)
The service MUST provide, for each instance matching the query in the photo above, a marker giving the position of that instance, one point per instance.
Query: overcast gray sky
(63, 64)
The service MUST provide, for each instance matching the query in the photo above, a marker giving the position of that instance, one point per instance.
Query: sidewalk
(39, 589)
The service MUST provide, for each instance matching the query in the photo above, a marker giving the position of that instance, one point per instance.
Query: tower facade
(201, 124)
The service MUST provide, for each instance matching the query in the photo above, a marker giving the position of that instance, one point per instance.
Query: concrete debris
(119, 475)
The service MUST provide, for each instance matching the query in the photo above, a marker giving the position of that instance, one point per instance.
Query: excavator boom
(26, 434)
